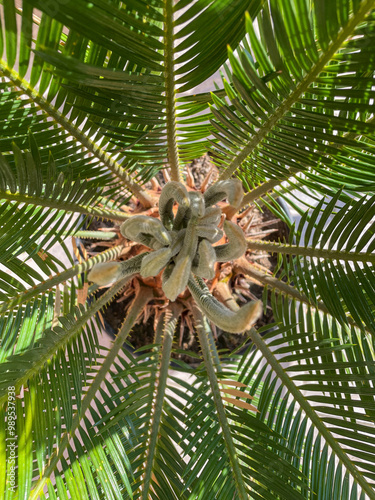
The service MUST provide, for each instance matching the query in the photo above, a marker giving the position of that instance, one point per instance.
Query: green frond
(252, 441)
(154, 448)
(51, 37)
(304, 366)
(237, 472)
(204, 38)
(119, 98)
(26, 313)
(312, 118)
(80, 417)
(134, 403)
(38, 213)
(334, 269)
(56, 192)
(19, 368)
(19, 116)
(45, 412)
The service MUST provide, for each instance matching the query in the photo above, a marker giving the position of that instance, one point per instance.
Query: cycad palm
(87, 117)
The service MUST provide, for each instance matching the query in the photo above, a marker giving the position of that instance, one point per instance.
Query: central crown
(182, 239)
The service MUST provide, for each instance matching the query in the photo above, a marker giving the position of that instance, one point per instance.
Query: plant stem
(170, 322)
(210, 367)
(140, 301)
(159, 330)
(65, 205)
(212, 344)
(98, 235)
(25, 296)
(208, 332)
(259, 191)
(246, 268)
(145, 198)
(310, 412)
(170, 92)
(302, 87)
(320, 253)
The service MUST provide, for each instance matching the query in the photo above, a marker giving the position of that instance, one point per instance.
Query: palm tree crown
(97, 97)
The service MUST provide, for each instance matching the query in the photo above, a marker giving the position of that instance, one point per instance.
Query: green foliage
(96, 98)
